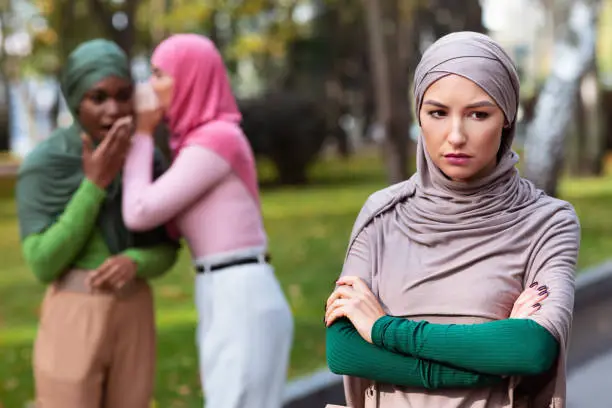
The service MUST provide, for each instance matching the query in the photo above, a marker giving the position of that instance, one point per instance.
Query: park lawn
(308, 229)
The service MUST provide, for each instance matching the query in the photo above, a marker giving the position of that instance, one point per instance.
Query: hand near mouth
(102, 163)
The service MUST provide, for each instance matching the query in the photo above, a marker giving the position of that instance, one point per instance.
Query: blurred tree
(389, 38)
(574, 55)
(447, 16)
(329, 63)
(69, 22)
(118, 20)
(287, 128)
(591, 125)
(5, 130)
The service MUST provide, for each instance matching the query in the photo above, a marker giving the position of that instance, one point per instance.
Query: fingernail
(533, 284)
(542, 293)
(537, 305)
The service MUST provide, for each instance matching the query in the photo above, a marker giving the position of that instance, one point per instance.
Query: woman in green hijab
(96, 339)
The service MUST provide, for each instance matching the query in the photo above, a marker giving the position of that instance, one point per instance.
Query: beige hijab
(494, 221)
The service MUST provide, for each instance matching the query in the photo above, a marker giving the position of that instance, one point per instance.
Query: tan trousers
(95, 350)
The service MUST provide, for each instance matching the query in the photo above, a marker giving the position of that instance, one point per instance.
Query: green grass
(308, 229)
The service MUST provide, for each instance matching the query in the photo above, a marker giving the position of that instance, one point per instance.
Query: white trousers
(244, 337)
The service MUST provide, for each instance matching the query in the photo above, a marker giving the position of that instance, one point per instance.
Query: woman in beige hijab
(438, 304)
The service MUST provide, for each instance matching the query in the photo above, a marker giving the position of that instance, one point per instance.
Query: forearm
(503, 347)
(349, 354)
(52, 251)
(154, 261)
(147, 203)
(137, 178)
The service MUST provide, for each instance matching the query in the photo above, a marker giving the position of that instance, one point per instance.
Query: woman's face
(163, 85)
(106, 101)
(462, 128)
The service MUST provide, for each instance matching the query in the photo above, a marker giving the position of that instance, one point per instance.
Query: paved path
(590, 385)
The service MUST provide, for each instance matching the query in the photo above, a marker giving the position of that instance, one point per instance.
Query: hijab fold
(469, 221)
(50, 175)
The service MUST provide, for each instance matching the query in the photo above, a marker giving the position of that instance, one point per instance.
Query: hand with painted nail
(530, 301)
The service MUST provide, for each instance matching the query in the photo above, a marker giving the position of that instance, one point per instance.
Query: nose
(456, 136)
(111, 109)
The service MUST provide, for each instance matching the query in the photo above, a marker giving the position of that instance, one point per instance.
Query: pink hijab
(203, 109)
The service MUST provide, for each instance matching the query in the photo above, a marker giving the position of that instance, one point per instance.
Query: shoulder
(382, 202)
(384, 199)
(225, 139)
(559, 211)
(555, 211)
(222, 131)
(565, 218)
(44, 153)
(220, 136)
(558, 223)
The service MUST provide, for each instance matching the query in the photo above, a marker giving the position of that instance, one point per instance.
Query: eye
(124, 95)
(479, 115)
(157, 73)
(437, 114)
(98, 97)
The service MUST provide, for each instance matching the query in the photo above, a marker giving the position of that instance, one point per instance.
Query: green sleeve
(349, 354)
(502, 347)
(52, 251)
(153, 261)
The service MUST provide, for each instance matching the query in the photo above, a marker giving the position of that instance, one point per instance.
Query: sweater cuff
(379, 328)
(90, 189)
(136, 256)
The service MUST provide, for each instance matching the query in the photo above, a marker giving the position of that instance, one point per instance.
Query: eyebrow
(481, 104)
(95, 90)
(127, 88)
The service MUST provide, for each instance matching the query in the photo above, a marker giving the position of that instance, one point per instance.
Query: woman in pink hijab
(210, 196)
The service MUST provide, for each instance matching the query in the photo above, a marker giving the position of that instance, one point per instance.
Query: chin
(459, 174)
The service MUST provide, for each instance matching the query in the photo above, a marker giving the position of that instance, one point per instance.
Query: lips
(457, 159)
(457, 156)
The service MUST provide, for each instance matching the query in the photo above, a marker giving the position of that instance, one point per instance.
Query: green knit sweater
(501, 347)
(349, 354)
(441, 356)
(74, 241)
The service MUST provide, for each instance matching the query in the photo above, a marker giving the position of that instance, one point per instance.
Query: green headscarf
(52, 172)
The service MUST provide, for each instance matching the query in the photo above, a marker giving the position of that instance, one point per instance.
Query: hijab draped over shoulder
(493, 221)
(52, 172)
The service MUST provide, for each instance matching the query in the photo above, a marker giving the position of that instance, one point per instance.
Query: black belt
(243, 261)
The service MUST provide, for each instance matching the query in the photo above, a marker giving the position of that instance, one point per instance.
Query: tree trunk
(5, 92)
(593, 149)
(573, 55)
(125, 38)
(5, 113)
(387, 68)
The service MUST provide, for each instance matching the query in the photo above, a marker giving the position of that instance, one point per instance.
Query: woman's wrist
(379, 328)
(143, 132)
